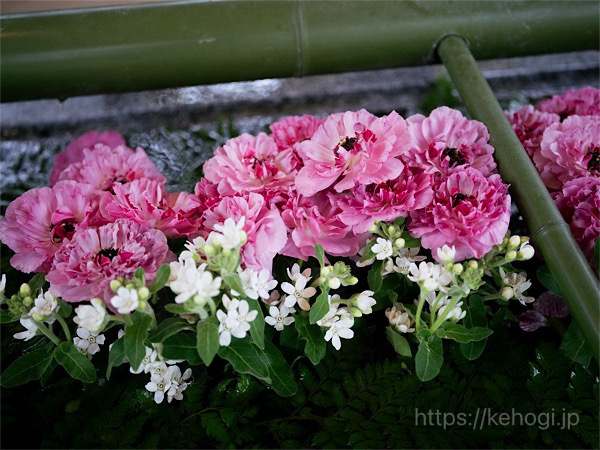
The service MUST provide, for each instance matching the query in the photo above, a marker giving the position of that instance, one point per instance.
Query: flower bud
(351, 281)
(355, 312)
(457, 268)
(115, 285)
(326, 270)
(525, 253)
(28, 301)
(391, 230)
(399, 243)
(514, 242)
(510, 256)
(38, 317)
(472, 264)
(507, 292)
(129, 286)
(143, 293)
(334, 283)
(142, 305)
(209, 249)
(25, 290)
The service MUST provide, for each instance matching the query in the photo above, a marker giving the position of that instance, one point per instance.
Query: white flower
(146, 364)
(399, 319)
(525, 252)
(446, 254)
(249, 279)
(159, 384)
(231, 234)
(45, 304)
(519, 284)
(338, 322)
(455, 314)
(405, 257)
(2, 283)
(365, 302)
(264, 285)
(295, 273)
(126, 300)
(178, 383)
(227, 323)
(242, 317)
(429, 276)
(194, 282)
(91, 316)
(383, 248)
(30, 329)
(298, 293)
(88, 342)
(279, 317)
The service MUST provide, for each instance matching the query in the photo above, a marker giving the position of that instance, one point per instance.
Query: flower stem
(47, 332)
(419, 311)
(64, 326)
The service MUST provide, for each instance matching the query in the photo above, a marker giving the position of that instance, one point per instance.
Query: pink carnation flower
(570, 149)
(529, 125)
(264, 227)
(314, 220)
(250, 163)
(207, 193)
(384, 201)
(37, 222)
(84, 267)
(579, 204)
(582, 102)
(469, 211)
(447, 139)
(147, 202)
(294, 129)
(352, 147)
(103, 167)
(74, 151)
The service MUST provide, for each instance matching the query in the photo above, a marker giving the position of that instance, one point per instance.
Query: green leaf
(6, 317)
(37, 282)
(65, 309)
(368, 252)
(320, 254)
(374, 277)
(429, 358)
(207, 339)
(475, 317)
(461, 334)
(175, 308)
(75, 363)
(280, 372)
(246, 358)
(320, 307)
(545, 277)
(116, 356)
(182, 346)
(140, 275)
(233, 282)
(135, 338)
(399, 342)
(162, 276)
(169, 327)
(30, 366)
(257, 326)
(316, 345)
(575, 347)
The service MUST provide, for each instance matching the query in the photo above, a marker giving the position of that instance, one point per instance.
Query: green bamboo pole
(58, 54)
(549, 231)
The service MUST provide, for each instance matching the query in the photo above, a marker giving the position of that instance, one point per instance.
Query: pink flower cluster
(562, 137)
(107, 211)
(328, 180)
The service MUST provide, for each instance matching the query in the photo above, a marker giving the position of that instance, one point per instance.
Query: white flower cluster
(44, 306)
(236, 321)
(166, 378)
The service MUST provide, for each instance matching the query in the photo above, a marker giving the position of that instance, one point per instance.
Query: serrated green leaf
(182, 346)
(162, 276)
(320, 307)
(316, 346)
(135, 338)
(257, 326)
(116, 356)
(399, 342)
(75, 363)
(374, 277)
(545, 277)
(429, 358)
(169, 327)
(320, 254)
(233, 282)
(30, 366)
(246, 358)
(575, 346)
(207, 339)
(462, 334)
